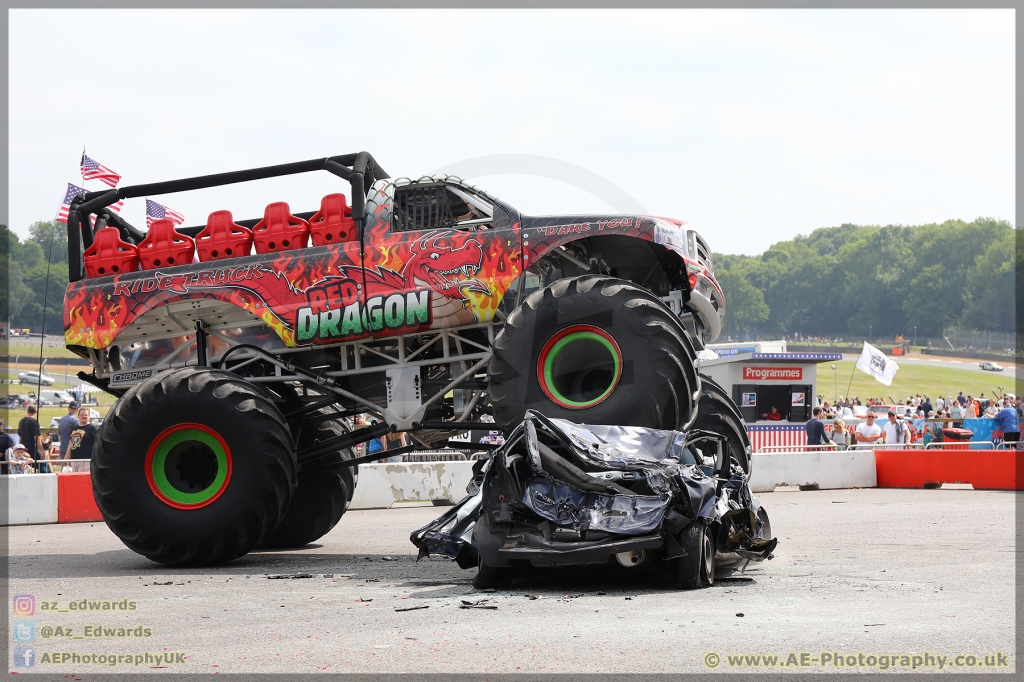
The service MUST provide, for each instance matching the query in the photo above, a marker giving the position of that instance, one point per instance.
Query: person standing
(376, 445)
(65, 426)
(972, 409)
(961, 399)
(6, 443)
(926, 406)
(1010, 425)
(82, 437)
(28, 432)
(895, 430)
(815, 429)
(867, 431)
(393, 441)
(840, 435)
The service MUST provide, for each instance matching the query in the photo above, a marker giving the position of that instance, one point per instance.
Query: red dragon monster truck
(240, 350)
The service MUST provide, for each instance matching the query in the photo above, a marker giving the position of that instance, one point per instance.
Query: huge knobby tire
(193, 467)
(595, 350)
(321, 497)
(717, 412)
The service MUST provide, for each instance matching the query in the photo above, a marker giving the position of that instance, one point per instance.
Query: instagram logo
(24, 605)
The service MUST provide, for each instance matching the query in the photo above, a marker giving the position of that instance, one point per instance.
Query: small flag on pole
(73, 191)
(155, 211)
(94, 170)
(874, 362)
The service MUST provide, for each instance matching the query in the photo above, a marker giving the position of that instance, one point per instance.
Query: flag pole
(851, 377)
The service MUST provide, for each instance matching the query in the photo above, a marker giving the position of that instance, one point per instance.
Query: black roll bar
(355, 168)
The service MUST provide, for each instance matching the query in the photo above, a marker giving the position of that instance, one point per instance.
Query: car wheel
(492, 576)
(697, 567)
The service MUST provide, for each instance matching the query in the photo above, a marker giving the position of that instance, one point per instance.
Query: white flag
(874, 362)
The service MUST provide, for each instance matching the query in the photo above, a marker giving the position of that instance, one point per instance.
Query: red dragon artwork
(316, 295)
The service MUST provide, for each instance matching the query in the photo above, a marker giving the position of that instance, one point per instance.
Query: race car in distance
(991, 366)
(240, 352)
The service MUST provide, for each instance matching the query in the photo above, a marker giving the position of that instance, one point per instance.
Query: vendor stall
(774, 389)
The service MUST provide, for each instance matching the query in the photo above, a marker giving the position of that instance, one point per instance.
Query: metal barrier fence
(55, 465)
(795, 448)
(960, 445)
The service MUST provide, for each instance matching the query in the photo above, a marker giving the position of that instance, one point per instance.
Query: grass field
(32, 351)
(909, 380)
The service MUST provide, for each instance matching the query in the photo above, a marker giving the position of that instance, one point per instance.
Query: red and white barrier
(48, 498)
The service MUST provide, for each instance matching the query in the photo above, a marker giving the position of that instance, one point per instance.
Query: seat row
(222, 238)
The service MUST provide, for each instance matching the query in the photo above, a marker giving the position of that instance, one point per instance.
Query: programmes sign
(773, 373)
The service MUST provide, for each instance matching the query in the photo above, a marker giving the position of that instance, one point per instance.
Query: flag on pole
(65, 206)
(155, 211)
(874, 362)
(94, 170)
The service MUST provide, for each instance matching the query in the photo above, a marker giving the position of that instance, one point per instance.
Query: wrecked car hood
(613, 480)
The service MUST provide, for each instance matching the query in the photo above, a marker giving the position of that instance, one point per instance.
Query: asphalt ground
(872, 572)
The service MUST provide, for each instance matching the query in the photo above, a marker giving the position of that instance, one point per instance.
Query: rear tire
(216, 478)
(321, 497)
(595, 350)
(717, 412)
(697, 567)
(492, 576)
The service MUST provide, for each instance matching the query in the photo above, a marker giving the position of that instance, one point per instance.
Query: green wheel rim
(188, 466)
(565, 340)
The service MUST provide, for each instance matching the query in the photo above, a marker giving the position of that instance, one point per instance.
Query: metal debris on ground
(361, 599)
(413, 608)
(296, 576)
(739, 615)
(480, 604)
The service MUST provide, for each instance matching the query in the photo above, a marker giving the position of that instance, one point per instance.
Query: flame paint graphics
(461, 275)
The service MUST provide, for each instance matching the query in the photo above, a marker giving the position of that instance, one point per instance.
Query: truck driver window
(431, 207)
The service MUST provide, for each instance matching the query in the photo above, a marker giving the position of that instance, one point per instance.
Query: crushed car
(560, 493)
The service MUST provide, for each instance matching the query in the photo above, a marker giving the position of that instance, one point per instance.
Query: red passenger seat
(333, 223)
(222, 238)
(280, 230)
(110, 255)
(164, 246)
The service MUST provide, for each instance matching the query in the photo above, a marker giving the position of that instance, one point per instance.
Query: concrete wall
(381, 485)
(31, 498)
(826, 469)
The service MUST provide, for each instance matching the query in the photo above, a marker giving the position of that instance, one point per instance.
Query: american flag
(155, 211)
(94, 170)
(771, 435)
(73, 191)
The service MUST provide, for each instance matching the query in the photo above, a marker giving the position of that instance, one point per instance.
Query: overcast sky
(754, 126)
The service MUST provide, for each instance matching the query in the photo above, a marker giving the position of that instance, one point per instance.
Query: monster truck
(240, 353)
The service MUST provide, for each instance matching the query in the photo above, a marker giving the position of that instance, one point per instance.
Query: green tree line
(23, 270)
(839, 280)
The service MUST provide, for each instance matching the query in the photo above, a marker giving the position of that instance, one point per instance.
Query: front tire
(193, 467)
(595, 350)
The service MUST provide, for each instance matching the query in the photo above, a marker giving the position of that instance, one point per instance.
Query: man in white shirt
(940, 405)
(894, 431)
(868, 431)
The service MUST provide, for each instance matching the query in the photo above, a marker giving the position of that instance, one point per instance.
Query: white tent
(85, 389)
